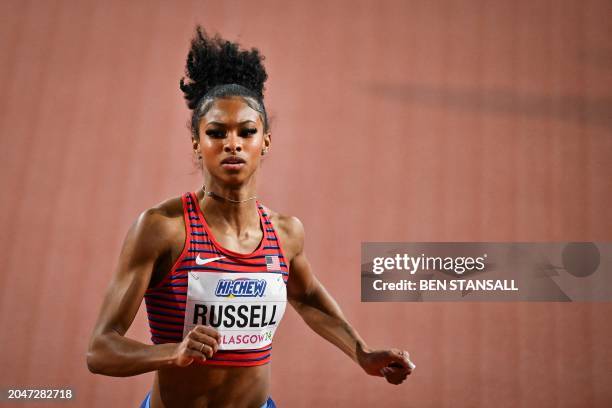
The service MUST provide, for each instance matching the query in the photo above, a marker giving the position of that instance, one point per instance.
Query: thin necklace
(210, 193)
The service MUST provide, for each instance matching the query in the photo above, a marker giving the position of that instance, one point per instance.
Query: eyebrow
(223, 124)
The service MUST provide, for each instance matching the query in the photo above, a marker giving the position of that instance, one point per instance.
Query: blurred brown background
(392, 121)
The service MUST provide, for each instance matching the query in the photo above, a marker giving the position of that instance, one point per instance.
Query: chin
(232, 178)
(235, 179)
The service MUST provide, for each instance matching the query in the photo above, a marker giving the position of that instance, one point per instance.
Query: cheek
(210, 147)
(254, 143)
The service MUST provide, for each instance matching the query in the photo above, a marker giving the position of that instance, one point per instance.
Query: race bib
(245, 308)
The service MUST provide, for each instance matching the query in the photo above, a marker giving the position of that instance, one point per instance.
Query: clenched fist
(201, 342)
(393, 364)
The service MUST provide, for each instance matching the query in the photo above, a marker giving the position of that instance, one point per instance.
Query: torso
(212, 386)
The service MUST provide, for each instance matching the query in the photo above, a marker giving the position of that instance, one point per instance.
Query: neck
(235, 217)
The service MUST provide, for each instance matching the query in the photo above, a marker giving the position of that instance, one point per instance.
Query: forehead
(230, 110)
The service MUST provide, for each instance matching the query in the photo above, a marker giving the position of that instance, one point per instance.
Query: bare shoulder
(290, 224)
(159, 228)
(164, 215)
(290, 231)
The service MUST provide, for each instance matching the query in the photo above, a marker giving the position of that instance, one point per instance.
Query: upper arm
(144, 243)
(302, 280)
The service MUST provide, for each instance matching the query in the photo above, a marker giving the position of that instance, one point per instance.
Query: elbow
(95, 357)
(101, 359)
(91, 366)
(93, 363)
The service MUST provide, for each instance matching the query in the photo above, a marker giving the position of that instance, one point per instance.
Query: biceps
(122, 300)
(302, 282)
(128, 285)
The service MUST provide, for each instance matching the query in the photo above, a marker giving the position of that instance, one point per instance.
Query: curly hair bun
(214, 61)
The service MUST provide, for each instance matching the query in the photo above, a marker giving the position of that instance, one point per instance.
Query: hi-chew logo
(241, 287)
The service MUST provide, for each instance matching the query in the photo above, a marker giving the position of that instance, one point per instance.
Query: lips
(233, 163)
(232, 160)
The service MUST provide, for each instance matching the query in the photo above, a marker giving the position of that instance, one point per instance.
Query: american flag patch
(272, 263)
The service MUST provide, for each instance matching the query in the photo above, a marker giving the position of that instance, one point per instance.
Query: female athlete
(215, 266)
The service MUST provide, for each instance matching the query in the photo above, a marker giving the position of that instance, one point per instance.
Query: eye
(215, 133)
(248, 132)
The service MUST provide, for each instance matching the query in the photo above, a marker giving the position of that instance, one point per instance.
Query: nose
(233, 143)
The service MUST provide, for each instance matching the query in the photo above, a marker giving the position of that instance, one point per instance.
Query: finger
(398, 370)
(195, 354)
(206, 349)
(204, 338)
(406, 357)
(211, 331)
(403, 359)
(398, 366)
(397, 359)
(201, 338)
(395, 373)
(394, 379)
(395, 376)
(200, 347)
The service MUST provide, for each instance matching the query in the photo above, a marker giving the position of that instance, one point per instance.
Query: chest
(244, 244)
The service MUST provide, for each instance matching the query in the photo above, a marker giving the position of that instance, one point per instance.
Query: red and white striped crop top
(243, 296)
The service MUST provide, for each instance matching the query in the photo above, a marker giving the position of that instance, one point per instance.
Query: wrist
(361, 354)
(167, 355)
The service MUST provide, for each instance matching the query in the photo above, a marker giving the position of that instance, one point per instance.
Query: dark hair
(217, 68)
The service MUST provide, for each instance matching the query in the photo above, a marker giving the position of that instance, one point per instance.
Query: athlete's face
(231, 140)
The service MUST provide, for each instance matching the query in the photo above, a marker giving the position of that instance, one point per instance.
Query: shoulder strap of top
(265, 213)
(189, 213)
(270, 231)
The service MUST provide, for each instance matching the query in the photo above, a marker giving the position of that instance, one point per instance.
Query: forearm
(321, 312)
(118, 356)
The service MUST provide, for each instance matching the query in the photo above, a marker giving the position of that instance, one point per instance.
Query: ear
(267, 140)
(196, 147)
